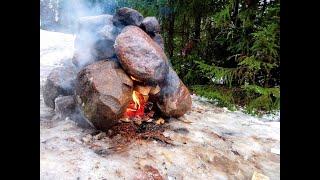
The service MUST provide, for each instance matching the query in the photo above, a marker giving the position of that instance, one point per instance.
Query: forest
(224, 50)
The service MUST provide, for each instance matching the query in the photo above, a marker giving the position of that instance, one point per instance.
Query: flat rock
(103, 92)
(60, 81)
(140, 56)
(174, 99)
(126, 16)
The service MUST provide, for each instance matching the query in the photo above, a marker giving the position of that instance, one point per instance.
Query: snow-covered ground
(54, 48)
(210, 142)
(273, 116)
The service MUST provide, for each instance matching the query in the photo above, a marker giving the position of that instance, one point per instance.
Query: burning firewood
(144, 90)
(154, 90)
(160, 121)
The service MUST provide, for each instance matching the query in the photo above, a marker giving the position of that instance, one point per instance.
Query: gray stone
(150, 25)
(127, 16)
(61, 81)
(159, 40)
(174, 99)
(65, 106)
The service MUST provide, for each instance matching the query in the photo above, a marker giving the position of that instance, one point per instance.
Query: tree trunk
(235, 13)
(171, 28)
(197, 26)
(184, 31)
(264, 5)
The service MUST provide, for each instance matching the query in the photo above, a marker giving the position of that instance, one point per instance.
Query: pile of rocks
(112, 53)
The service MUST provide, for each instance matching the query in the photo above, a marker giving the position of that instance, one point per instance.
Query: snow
(272, 116)
(56, 43)
(218, 81)
(55, 47)
(220, 144)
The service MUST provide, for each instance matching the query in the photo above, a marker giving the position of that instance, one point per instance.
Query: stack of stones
(111, 53)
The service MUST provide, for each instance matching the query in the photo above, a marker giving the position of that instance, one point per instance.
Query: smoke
(62, 15)
(75, 9)
(95, 39)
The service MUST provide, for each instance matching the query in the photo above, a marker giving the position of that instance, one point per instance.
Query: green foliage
(212, 71)
(224, 99)
(222, 19)
(262, 91)
(265, 42)
(251, 63)
(256, 100)
(239, 46)
(267, 99)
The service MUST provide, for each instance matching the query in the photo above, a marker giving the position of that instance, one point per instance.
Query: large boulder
(103, 92)
(150, 25)
(94, 39)
(60, 81)
(127, 16)
(174, 99)
(140, 56)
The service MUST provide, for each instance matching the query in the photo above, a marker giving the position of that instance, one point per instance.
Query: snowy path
(211, 142)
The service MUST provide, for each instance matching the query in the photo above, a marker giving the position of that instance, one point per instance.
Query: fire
(135, 99)
(136, 106)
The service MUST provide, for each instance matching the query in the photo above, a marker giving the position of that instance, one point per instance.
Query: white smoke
(65, 13)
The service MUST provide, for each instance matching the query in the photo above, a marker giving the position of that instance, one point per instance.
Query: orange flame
(136, 107)
(136, 100)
